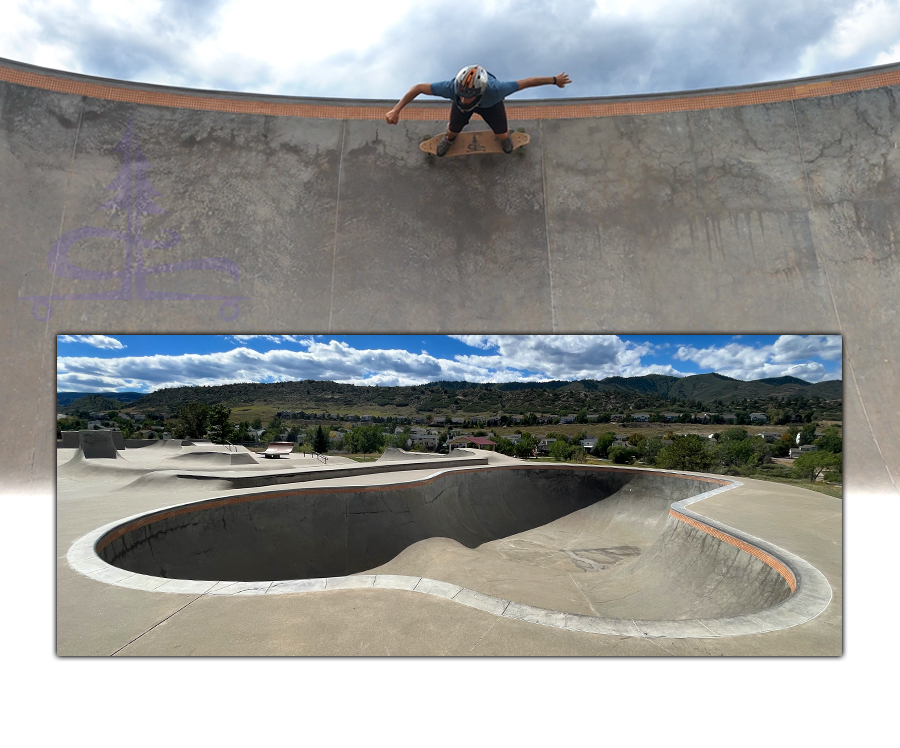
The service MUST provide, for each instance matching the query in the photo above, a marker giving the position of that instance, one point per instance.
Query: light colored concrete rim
(812, 595)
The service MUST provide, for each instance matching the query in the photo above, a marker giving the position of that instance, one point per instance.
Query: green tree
(636, 439)
(505, 447)
(220, 428)
(807, 435)
(559, 451)
(650, 448)
(604, 442)
(320, 441)
(70, 424)
(830, 441)
(687, 452)
(242, 433)
(364, 439)
(623, 455)
(194, 418)
(811, 465)
(525, 446)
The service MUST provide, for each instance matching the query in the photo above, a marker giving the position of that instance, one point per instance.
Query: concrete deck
(537, 591)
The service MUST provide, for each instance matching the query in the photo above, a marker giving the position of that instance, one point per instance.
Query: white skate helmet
(470, 82)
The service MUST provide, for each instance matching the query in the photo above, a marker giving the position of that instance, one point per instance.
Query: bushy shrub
(623, 455)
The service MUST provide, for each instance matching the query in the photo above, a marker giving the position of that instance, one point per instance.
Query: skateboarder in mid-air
(474, 91)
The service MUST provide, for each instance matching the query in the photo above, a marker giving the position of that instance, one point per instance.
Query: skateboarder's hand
(563, 80)
(392, 117)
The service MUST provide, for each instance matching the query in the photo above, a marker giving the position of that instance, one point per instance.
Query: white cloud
(563, 356)
(347, 50)
(98, 341)
(505, 358)
(870, 25)
(788, 356)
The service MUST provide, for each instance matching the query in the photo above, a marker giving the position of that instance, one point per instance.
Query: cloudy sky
(143, 363)
(360, 50)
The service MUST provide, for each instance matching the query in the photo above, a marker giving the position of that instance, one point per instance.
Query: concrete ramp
(97, 445)
(211, 459)
(393, 454)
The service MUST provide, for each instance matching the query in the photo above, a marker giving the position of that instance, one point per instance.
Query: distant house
(669, 417)
(418, 419)
(589, 443)
(729, 417)
(641, 417)
(479, 442)
(429, 441)
(617, 417)
(758, 418)
(769, 436)
(514, 438)
(367, 418)
(567, 419)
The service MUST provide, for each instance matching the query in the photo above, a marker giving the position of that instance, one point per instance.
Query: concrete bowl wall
(684, 571)
(298, 533)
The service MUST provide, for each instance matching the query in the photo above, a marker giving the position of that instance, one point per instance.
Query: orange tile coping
(766, 558)
(354, 111)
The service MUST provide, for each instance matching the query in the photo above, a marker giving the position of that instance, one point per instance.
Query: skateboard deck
(469, 143)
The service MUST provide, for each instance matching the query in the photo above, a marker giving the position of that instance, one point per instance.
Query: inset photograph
(458, 495)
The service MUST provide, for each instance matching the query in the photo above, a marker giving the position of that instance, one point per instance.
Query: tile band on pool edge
(283, 106)
(810, 595)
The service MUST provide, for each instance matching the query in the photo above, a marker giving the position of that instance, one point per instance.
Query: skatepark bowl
(646, 565)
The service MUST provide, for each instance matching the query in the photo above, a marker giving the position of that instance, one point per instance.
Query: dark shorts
(495, 116)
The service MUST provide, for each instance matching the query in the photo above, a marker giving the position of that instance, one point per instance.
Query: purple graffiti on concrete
(134, 195)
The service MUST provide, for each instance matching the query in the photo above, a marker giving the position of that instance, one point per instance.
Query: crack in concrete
(337, 214)
(159, 623)
(481, 638)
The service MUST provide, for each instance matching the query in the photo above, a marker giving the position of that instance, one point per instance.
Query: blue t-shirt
(495, 93)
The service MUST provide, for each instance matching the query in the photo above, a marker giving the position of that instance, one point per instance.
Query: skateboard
(469, 143)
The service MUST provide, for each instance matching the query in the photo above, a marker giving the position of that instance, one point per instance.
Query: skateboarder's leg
(458, 120)
(495, 116)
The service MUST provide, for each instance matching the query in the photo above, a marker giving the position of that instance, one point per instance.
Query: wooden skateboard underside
(469, 143)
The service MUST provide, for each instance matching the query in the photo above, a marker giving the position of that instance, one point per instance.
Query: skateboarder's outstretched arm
(561, 80)
(393, 116)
